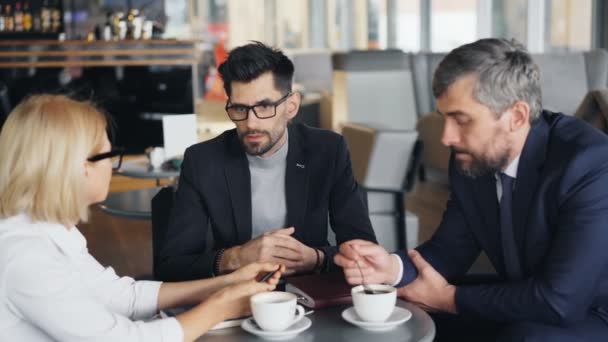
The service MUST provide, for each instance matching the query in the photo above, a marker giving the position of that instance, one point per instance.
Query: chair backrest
(383, 158)
(596, 62)
(374, 86)
(385, 162)
(162, 203)
(423, 67)
(313, 70)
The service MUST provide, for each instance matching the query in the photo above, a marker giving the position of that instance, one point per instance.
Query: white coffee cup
(276, 311)
(156, 157)
(375, 307)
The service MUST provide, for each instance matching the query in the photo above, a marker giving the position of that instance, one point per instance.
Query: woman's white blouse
(51, 288)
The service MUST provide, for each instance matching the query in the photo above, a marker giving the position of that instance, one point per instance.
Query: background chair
(162, 203)
(313, 70)
(5, 104)
(385, 162)
(374, 86)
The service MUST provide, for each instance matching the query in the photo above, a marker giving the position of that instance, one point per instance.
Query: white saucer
(399, 316)
(250, 326)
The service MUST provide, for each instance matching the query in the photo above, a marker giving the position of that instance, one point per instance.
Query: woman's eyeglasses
(115, 154)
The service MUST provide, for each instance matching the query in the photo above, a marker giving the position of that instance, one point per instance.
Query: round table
(135, 204)
(328, 325)
(140, 168)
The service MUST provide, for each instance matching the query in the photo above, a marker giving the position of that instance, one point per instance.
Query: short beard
(482, 166)
(258, 149)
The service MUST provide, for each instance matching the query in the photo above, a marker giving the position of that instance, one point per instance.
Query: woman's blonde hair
(44, 145)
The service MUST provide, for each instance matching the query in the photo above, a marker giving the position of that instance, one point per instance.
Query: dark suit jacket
(214, 193)
(560, 221)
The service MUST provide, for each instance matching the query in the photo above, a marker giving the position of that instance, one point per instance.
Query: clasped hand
(277, 246)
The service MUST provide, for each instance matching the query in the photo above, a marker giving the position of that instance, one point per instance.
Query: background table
(328, 325)
(140, 168)
(130, 204)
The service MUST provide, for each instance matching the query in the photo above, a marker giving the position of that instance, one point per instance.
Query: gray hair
(505, 73)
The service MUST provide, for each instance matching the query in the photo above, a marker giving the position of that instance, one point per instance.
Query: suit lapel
(526, 183)
(296, 182)
(238, 180)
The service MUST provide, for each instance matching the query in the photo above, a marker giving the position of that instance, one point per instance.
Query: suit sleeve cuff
(409, 271)
(328, 264)
(462, 299)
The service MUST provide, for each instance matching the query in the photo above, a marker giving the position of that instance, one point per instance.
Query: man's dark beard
(480, 166)
(253, 150)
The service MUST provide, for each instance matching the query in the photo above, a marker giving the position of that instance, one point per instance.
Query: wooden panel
(97, 42)
(99, 63)
(52, 54)
(105, 52)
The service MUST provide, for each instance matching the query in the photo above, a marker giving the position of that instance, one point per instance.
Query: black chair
(5, 104)
(162, 203)
(399, 195)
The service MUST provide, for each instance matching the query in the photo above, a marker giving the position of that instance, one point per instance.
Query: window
(292, 23)
(376, 24)
(453, 23)
(568, 25)
(407, 24)
(509, 19)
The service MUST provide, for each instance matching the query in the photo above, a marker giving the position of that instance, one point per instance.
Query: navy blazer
(214, 193)
(560, 222)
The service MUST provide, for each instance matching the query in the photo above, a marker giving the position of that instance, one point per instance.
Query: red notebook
(320, 290)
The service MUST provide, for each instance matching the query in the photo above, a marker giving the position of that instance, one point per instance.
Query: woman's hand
(233, 300)
(255, 271)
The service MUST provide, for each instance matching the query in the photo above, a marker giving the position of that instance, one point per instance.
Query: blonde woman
(56, 160)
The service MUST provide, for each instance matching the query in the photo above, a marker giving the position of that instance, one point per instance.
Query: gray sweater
(268, 206)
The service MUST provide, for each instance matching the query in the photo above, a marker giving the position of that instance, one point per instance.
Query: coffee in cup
(276, 311)
(376, 306)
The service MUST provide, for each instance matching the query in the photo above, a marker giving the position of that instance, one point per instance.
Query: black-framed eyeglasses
(262, 110)
(115, 154)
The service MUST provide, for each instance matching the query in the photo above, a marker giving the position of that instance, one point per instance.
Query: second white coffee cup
(276, 311)
(375, 307)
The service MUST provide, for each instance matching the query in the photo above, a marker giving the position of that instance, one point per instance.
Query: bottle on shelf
(9, 20)
(107, 27)
(55, 17)
(18, 17)
(2, 26)
(116, 20)
(27, 17)
(45, 16)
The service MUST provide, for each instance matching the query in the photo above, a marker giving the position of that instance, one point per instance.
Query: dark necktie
(506, 228)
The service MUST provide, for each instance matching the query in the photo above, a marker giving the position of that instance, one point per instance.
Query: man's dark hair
(246, 63)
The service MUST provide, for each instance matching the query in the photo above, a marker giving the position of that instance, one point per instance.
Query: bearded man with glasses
(267, 190)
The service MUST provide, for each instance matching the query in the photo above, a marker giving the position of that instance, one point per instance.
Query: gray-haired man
(530, 189)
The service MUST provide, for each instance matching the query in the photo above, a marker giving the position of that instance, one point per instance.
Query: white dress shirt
(52, 289)
(510, 170)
